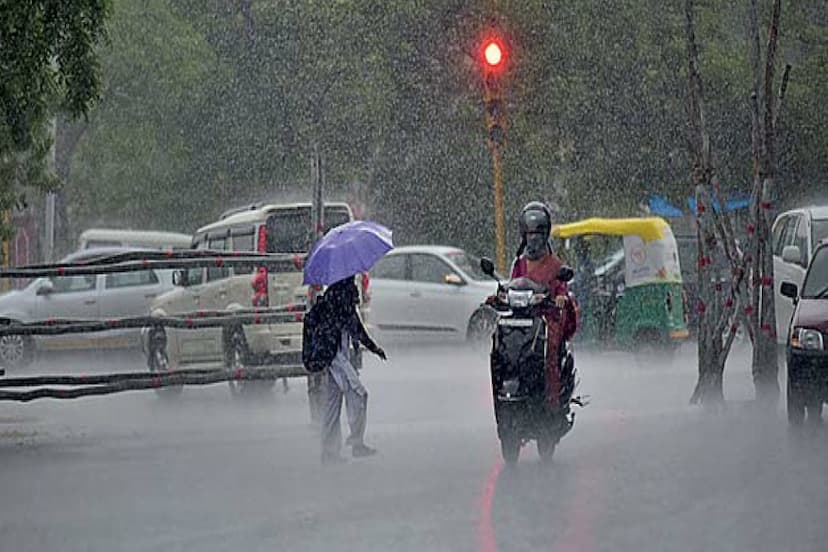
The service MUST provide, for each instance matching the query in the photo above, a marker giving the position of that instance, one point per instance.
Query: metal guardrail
(105, 384)
(186, 321)
(141, 260)
(135, 381)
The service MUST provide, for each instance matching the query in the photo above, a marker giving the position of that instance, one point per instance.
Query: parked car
(105, 237)
(271, 228)
(796, 234)
(427, 293)
(92, 297)
(807, 340)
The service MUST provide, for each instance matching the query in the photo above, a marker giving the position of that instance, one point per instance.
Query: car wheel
(16, 351)
(482, 326)
(237, 358)
(159, 363)
(796, 406)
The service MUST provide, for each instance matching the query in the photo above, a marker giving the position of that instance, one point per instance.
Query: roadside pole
(318, 380)
(5, 284)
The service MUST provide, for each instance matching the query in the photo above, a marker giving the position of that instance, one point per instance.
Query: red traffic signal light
(493, 58)
(493, 54)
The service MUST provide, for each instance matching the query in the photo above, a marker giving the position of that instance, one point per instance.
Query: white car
(796, 234)
(116, 295)
(104, 237)
(427, 293)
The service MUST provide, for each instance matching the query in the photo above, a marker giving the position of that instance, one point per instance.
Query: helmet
(535, 219)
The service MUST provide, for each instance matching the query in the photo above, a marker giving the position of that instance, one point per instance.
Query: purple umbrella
(345, 251)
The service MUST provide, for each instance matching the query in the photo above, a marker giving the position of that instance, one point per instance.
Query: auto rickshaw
(633, 299)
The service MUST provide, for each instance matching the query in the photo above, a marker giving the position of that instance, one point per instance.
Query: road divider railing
(187, 321)
(106, 384)
(277, 365)
(143, 260)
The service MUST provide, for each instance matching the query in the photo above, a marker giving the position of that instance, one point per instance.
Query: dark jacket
(334, 312)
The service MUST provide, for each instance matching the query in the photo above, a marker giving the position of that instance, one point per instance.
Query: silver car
(101, 296)
(430, 293)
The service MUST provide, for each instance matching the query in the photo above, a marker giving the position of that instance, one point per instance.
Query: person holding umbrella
(342, 253)
(343, 322)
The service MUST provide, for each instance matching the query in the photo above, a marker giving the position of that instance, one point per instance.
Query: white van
(265, 228)
(105, 237)
(795, 235)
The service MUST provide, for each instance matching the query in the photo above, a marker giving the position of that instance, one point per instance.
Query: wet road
(640, 471)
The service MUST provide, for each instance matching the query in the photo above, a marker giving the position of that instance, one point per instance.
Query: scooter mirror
(565, 274)
(487, 266)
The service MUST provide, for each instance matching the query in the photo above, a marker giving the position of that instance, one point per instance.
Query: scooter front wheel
(510, 449)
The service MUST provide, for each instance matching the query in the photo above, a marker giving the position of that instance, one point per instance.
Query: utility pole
(317, 381)
(5, 283)
(317, 184)
(49, 252)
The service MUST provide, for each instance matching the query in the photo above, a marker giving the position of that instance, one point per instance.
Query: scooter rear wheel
(546, 447)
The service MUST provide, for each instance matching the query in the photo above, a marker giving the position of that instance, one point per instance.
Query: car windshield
(289, 231)
(468, 264)
(816, 283)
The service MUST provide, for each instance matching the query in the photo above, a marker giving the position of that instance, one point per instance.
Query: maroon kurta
(545, 271)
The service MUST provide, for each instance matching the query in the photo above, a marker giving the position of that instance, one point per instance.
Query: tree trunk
(708, 389)
(68, 135)
(722, 295)
(765, 365)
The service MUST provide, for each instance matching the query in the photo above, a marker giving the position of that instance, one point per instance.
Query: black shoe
(331, 459)
(361, 450)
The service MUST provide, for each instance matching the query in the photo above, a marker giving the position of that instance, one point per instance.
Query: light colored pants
(343, 381)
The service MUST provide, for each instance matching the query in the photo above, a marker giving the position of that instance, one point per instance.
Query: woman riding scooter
(535, 260)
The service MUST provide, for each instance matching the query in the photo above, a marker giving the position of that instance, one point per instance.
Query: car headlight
(805, 338)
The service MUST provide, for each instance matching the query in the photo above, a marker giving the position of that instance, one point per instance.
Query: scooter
(518, 361)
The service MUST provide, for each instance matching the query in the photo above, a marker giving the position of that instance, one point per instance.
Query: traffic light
(493, 58)
(493, 53)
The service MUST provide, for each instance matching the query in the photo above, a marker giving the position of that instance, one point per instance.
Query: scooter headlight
(519, 299)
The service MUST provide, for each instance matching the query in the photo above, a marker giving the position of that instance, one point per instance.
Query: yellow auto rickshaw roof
(649, 228)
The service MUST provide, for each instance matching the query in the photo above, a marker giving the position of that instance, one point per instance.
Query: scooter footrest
(581, 401)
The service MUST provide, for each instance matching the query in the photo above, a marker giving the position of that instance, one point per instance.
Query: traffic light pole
(493, 59)
(500, 219)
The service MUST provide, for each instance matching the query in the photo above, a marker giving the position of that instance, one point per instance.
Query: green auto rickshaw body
(646, 308)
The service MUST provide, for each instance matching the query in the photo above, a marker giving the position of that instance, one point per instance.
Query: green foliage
(132, 163)
(212, 104)
(49, 65)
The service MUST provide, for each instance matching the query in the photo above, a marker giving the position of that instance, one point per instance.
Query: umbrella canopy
(347, 250)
